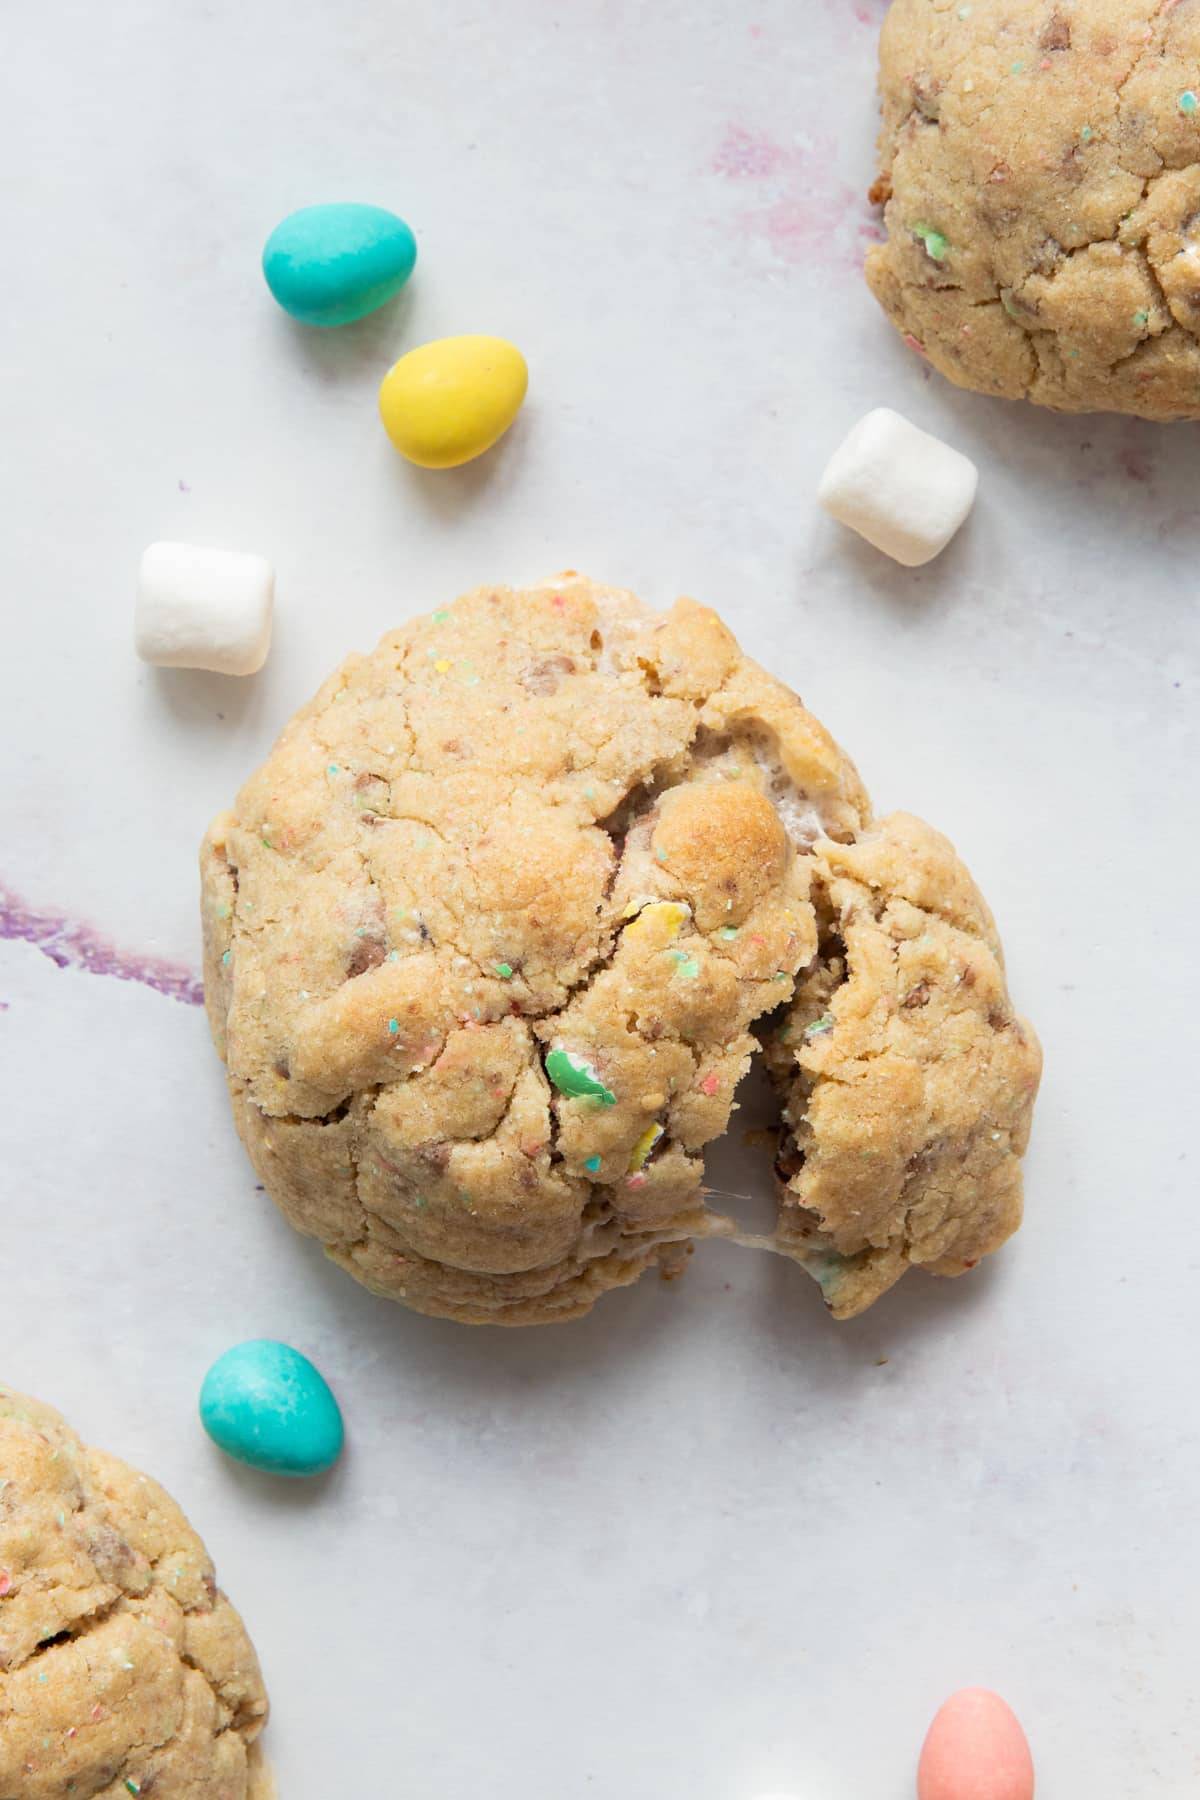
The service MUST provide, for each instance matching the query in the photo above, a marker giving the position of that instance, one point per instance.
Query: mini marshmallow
(903, 490)
(204, 609)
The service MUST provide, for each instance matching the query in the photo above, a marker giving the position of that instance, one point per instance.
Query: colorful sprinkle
(442, 665)
(1018, 68)
(1141, 316)
(332, 769)
(710, 1085)
(576, 1078)
(1087, 134)
(227, 957)
(936, 246)
(441, 617)
(393, 1026)
(648, 914)
(503, 970)
(5, 1582)
(592, 1164)
(131, 1786)
(820, 1027)
(636, 1181)
(728, 932)
(644, 1147)
(1188, 101)
(686, 965)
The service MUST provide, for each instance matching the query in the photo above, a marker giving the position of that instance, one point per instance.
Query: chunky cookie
(907, 1080)
(487, 935)
(1040, 162)
(123, 1668)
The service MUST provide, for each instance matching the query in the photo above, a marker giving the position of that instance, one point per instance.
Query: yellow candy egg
(447, 402)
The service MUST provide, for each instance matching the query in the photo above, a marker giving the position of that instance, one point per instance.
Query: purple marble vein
(71, 945)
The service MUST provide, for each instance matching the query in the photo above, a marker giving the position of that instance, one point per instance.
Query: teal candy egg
(266, 1405)
(329, 265)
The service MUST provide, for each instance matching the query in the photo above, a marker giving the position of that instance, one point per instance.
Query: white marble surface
(706, 1542)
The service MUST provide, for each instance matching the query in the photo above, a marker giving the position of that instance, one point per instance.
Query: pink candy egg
(975, 1750)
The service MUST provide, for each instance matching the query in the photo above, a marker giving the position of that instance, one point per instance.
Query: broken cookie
(496, 930)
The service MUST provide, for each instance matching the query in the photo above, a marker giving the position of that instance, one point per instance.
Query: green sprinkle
(576, 1078)
(393, 956)
(43, 1678)
(441, 617)
(1141, 316)
(267, 844)
(222, 911)
(1087, 134)
(503, 970)
(393, 1026)
(1018, 68)
(781, 975)
(591, 1164)
(825, 1269)
(820, 1027)
(686, 965)
(1188, 101)
(131, 1786)
(227, 958)
(728, 932)
(935, 244)
(332, 769)
(661, 855)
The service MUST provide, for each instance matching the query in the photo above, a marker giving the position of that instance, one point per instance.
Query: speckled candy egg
(329, 265)
(266, 1405)
(447, 402)
(975, 1750)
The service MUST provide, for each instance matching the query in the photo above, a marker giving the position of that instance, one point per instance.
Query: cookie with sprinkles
(123, 1668)
(488, 937)
(1040, 169)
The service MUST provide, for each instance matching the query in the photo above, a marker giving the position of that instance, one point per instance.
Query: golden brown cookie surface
(123, 1668)
(487, 935)
(908, 1080)
(1040, 161)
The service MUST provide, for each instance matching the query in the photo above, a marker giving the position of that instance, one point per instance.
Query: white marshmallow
(204, 609)
(904, 491)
